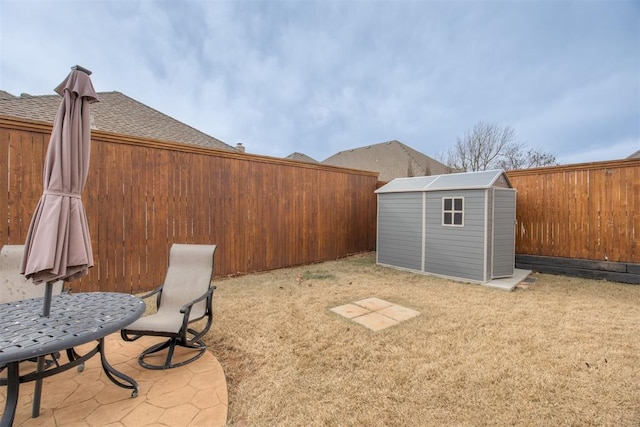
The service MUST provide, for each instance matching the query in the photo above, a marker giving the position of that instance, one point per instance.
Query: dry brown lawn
(561, 351)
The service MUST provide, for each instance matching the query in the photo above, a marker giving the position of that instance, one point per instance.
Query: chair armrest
(152, 293)
(185, 309)
(157, 291)
(186, 312)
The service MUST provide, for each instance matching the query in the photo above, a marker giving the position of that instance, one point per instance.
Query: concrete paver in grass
(373, 304)
(375, 321)
(398, 312)
(375, 313)
(350, 310)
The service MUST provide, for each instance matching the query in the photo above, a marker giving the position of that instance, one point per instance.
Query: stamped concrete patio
(191, 395)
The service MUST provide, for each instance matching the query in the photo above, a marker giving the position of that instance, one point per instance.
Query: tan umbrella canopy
(58, 245)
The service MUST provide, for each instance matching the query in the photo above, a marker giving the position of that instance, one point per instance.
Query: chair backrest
(189, 276)
(13, 285)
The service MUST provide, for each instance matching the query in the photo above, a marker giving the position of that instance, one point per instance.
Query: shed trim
(424, 230)
(428, 273)
(377, 229)
(486, 230)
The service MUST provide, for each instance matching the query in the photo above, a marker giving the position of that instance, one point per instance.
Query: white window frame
(452, 211)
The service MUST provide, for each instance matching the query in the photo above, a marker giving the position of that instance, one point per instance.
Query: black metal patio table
(75, 319)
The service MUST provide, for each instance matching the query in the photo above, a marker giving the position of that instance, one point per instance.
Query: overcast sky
(318, 77)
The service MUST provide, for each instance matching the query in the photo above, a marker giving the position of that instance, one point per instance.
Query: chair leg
(171, 345)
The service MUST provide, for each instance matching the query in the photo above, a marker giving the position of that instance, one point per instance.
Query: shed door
(504, 232)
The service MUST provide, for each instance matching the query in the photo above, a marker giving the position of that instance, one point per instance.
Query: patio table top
(75, 319)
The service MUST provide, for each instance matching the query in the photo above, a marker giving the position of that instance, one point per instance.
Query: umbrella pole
(37, 392)
(46, 308)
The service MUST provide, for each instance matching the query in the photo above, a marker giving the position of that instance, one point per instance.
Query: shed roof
(452, 181)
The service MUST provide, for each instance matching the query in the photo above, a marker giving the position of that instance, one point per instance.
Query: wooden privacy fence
(586, 211)
(142, 195)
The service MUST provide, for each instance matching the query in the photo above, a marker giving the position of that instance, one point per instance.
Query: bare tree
(537, 158)
(518, 157)
(490, 146)
(482, 147)
(513, 157)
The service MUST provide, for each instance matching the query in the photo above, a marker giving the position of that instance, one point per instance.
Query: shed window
(453, 211)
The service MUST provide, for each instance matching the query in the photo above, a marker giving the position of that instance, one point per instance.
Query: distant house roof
(635, 155)
(453, 181)
(115, 113)
(391, 159)
(300, 157)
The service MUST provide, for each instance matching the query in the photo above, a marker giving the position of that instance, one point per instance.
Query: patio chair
(185, 297)
(14, 286)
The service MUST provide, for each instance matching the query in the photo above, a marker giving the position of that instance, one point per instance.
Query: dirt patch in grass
(556, 351)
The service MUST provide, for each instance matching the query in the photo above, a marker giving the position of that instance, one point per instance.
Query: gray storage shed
(459, 226)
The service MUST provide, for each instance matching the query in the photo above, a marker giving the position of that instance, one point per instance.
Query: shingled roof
(635, 155)
(391, 159)
(116, 113)
(301, 157)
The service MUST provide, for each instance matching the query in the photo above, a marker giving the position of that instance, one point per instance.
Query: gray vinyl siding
(504, 234)
(400, 230)
(456, 251)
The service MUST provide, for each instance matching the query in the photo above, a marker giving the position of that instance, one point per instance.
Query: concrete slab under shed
(509, 283)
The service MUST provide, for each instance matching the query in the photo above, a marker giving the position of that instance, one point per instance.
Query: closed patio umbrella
(58, 245)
